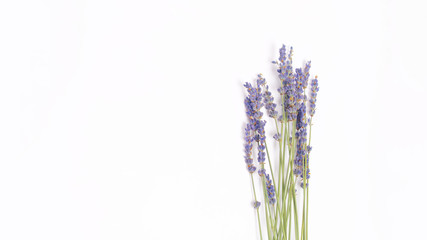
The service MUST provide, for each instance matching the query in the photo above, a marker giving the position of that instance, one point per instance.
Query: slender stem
(283, 137)
(295, 210)
(292, 180)
(267, 217)
(308, 155)
(271, 169)
(304, 202)
(285, 178)
(303, 220)
(274, 185)
(306, 216)
(290, 217)
(286, 186)
(279, 193)
(281, 165)
(257, 210)
(277, 126)
(288, 207)
(289, 202)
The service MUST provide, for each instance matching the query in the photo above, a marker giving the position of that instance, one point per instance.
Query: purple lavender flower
(256, 204)
(270, 189)
(306, 74)
(261, 141)
(261, 155)
(301, 117)
(248, 149)
(261, 172)
(270, 106)
(277, 137)
(260, 125)
(282, 52)
(313, 95)
(251, 168)
(260, 81)
(253, 103)
(299, 88)
(287, 78)
(301, 136)
(307, 176)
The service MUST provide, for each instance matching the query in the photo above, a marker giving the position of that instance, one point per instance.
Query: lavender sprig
(313, 95)
(253, 103)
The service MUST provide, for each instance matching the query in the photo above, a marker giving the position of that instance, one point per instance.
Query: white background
(123, 119)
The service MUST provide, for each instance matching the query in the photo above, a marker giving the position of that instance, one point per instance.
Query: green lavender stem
(292, 179)
(278, 190)
(290, 222)
(271, 169)
(306, 218)
(274, 185)
(267, 213)
(257, 210)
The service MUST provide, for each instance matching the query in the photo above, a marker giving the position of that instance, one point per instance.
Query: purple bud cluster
(313, 95)
(260, 138)
(260, 126)
(248, 149)
(256, 125)
(253, 103)
(288, 80)
(270, 189)
(299, 87)
(306, 73)
(301, 138)
(261, 172)
(301, 156)
(270, 106)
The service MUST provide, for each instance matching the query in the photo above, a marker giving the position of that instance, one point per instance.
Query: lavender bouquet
(280, 187)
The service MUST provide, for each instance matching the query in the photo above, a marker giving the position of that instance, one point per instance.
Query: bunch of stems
(282, 217)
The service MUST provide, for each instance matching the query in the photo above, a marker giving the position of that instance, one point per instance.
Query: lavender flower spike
(248, 149)
(299, 88)
(301, 135)
(270, 106)
(260, 124)
(270, 189)
(288, 79)
(260, 138)
(253, 103)
(306, 74)
(313, 95)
